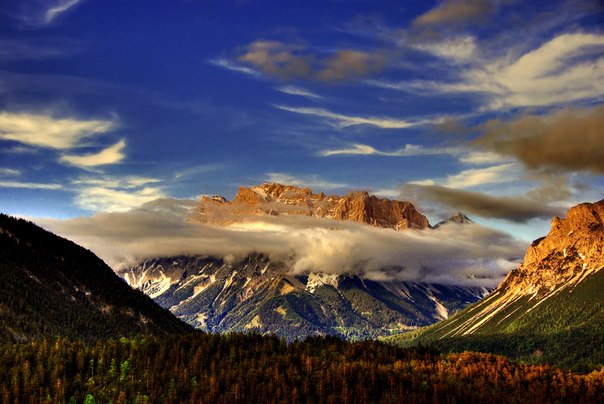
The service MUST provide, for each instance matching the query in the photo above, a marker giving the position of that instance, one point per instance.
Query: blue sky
(493, 108)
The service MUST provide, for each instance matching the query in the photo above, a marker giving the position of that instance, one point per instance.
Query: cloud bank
(459, 255)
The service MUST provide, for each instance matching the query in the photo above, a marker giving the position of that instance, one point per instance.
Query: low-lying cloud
(455, 254)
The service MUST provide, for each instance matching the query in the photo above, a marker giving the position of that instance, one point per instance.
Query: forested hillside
(51, 286)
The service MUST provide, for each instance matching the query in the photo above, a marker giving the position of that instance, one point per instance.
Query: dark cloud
(459, 255)
(456, 12)
(293, 61)
(516, 209)
(566, 140)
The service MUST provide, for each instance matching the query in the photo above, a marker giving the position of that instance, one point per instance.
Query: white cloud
(29, 185)
(47, 132)
(343, 121)
(460, 255)
(312, 181)
(293, 90)
(111, 155)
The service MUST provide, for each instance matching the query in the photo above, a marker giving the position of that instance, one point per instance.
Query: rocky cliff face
(573, 249)
(277, 199)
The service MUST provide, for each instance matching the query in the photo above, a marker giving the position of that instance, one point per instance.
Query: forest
(202, 368)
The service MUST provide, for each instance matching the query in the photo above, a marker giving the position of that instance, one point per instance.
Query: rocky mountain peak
(279, 199)
(572, 250)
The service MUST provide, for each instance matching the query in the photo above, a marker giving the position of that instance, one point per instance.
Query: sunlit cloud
(45, 131)
(480, 176)
(111, 155)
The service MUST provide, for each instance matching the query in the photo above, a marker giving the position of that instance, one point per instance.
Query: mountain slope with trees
(51, 286)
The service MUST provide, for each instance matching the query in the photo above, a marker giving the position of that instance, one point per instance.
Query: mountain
(51, 286)
(261, 294)
(257, 294)
(277, 199)
(551, 308)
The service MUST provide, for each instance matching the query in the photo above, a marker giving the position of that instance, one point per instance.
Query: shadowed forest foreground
(252, 368)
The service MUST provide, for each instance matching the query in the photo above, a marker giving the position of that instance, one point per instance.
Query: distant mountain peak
(458, 218)
(278, 199)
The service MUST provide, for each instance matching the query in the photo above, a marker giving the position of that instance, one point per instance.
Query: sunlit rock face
(277, 199)
(573, 249)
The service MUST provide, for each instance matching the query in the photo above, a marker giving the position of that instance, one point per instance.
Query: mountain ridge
(278, 199)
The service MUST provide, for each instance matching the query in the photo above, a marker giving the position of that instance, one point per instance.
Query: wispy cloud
(111, 155)
(48, 132)
(59, 8)
(29, 185)
(406, 151)
(6, 172)
(311, 181)
(293, 90)
(37, 14)
(227, 64)
(343, 121)
(567, 68)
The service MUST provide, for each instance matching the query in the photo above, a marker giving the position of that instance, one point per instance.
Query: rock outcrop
(278, 199)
